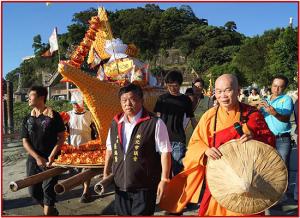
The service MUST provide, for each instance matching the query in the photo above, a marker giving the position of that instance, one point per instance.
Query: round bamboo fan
(248, 178)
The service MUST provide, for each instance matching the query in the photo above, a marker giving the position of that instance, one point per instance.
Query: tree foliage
(208, 49)
(274, 52)
(21, 109)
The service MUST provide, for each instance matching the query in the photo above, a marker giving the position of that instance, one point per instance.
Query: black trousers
(43, 193)
(135, 203)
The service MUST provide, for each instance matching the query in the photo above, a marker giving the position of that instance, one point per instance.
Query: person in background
(172, 107)
(268, 94)
(186, 121)
(254, 98)
(42, 134)
(190, 93)
(81, 129)
(202, 101)
(242, 97)
(263, 92)
(277, 110)
(138, 155)
(201, 104)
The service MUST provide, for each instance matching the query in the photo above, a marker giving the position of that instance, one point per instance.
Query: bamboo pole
(70, 183)
(101, 187)
(37, 178)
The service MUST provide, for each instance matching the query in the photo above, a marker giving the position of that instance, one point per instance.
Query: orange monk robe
(186, 186)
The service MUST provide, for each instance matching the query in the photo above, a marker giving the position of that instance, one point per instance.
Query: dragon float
(101, 97)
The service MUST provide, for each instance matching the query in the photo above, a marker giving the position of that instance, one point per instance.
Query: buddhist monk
(215, 128)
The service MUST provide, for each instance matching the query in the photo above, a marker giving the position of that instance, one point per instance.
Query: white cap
(76, 97)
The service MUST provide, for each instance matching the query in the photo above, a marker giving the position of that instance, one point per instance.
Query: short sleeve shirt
(162, 142)
(283, 104)
(42, 132)
(173, 109)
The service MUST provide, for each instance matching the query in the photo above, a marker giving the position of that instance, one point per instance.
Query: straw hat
(249, 178)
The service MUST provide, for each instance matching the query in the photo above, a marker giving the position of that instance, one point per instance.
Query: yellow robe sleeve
(186, 186)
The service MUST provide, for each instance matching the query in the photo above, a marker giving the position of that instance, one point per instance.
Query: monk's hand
(213, 153)
(161, 189)
(244, 138)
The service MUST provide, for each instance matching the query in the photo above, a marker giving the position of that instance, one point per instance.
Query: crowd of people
(146, 150)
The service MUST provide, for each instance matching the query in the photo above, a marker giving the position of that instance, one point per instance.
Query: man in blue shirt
(277, 110)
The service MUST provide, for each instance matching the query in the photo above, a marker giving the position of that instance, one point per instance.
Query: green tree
(230, 25)
(251, 59)
(283, 56)
(21, 109)
(218, 70)
(37, 45)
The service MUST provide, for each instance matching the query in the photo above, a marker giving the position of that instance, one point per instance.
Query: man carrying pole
(43, 134)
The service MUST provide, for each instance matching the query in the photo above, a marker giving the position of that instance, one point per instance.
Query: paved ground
(19, 203)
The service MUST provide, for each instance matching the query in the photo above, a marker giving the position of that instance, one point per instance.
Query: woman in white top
(254, 98)
(81, 129)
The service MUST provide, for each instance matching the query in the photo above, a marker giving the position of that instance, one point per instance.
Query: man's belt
(286, 134)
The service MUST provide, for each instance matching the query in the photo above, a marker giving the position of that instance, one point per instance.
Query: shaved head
(227, 91)
(228, 78)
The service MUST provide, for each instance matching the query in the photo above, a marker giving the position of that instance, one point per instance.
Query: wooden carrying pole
(37, 178)
(72, 182)
(101, 187)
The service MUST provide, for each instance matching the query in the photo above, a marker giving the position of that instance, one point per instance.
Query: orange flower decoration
(65, 116)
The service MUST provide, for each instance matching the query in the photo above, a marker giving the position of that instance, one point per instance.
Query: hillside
(176, 38)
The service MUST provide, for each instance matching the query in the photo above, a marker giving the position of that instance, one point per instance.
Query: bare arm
(29, 149)
(271, 110)
(60, 142)
(40, 160)
(166, 167)
(282, 118)
(108, 164)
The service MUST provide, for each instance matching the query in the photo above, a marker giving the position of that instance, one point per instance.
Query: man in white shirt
(138, 155)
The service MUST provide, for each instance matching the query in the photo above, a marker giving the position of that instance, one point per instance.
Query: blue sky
(22, 21)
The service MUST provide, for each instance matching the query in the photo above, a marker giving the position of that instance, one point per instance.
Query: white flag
(53, 41)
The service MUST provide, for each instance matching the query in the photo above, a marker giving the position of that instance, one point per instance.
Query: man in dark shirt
(171, 108)
(43, 134)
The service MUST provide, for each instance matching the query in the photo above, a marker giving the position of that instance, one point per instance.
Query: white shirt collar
(135, 118)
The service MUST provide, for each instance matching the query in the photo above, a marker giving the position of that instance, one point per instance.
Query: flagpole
(57, 45)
